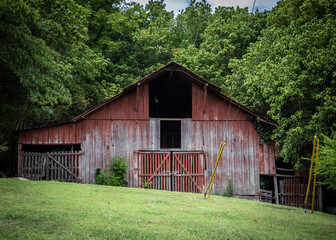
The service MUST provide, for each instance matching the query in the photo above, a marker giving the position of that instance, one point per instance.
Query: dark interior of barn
(170, 134)
(50, 148)
(170, 97)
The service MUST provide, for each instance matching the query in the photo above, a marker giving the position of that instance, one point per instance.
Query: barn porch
(171, 170)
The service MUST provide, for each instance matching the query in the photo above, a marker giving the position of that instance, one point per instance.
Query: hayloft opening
(50, 148)
(170, 134)
(170, 97)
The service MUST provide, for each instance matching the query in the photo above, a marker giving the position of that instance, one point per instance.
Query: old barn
(169, 125)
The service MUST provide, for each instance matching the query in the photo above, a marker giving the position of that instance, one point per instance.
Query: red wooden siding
(215, 107)
(67, 133)
(125, 107)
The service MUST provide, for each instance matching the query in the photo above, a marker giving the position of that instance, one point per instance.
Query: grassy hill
(53, 210)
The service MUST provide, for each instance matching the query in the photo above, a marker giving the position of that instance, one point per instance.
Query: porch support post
(20, 161)
(276, 192)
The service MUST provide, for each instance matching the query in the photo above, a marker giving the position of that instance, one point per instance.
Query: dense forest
(60, 57)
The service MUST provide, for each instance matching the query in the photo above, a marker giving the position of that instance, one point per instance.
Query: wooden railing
(58, 166)
(293, 192)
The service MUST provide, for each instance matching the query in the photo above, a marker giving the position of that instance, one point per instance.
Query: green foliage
(146, 184)
(327, 161)
(103, 177)
(228, 192)
(281, 75)
(115, 173)
(265, 130)
(226, 33)
(192, 22)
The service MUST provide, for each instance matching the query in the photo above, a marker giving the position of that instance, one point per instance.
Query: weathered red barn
(169, 125)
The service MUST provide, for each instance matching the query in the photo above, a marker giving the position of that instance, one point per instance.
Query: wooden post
(20, 161)
(281, 192)
(319, 189)
(276, 192)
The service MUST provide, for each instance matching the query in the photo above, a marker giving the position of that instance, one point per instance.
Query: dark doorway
(170, 134)
(170, 97)
(50, 148)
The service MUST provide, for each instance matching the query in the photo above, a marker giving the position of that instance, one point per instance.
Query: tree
(45, 64)
(281, 75)
(227, 35)
(192, 22)
(327, 161)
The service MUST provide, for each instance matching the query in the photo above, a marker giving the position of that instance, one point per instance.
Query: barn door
(173, 171)
(187, 172)
(154, 170)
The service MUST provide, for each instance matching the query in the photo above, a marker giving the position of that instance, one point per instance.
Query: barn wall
(103, 139)
(125, 107)
(216, 108)
(68, 133)
(243, 158)
(122, 127)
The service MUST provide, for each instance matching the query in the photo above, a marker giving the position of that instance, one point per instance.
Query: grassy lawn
(53, 210)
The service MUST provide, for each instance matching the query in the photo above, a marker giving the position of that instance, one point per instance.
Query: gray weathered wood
(276, 191)
(281, 192)
(59, 164)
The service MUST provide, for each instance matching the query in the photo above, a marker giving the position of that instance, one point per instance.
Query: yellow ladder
(315, 152)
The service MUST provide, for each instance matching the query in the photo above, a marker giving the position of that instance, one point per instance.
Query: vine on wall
(265, 130)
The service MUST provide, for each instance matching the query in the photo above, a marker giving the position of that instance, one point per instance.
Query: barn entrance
(54, 165)
(172, 171)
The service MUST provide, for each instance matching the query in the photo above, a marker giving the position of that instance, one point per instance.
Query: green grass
(53, 210)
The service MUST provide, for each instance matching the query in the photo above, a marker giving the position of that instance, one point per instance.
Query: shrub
(102, 177)
(146, 184)
(115, 173)
(229, 191)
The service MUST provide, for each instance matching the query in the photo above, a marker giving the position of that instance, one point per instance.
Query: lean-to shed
(169, 125)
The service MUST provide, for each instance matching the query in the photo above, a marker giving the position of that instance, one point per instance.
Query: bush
(229, 191)
(146, 184)
(102, 177)
(115, 173)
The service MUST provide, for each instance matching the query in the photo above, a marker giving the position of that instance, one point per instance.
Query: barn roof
(173, 66)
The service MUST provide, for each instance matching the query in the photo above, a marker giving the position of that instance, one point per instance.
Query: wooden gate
(293, 192)
(173, 171)
(58, 166)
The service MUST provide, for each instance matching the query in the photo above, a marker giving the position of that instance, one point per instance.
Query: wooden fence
(266, 196)
(58, 166)
(293, 192)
